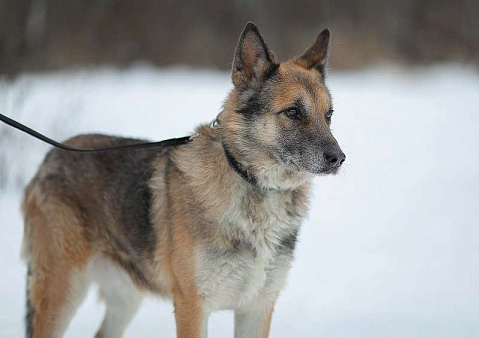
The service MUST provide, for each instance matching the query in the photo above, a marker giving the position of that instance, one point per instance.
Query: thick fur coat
(182, 222)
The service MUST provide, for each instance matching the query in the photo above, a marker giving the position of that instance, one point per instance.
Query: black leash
(160, 144)
(31, 132)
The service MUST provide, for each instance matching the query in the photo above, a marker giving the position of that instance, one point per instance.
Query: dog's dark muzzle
(314, 153)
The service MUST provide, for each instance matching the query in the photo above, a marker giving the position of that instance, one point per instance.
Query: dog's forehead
(298, 84)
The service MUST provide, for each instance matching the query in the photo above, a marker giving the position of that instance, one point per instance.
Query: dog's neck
(225, 197)
(205, 159)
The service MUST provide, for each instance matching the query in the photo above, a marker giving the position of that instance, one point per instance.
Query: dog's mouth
(325, 171)
(292, 165)
(332, 171)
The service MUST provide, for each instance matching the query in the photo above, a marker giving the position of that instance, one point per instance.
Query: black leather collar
(237, 167)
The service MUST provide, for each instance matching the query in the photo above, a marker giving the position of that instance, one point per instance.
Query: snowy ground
(391, 245)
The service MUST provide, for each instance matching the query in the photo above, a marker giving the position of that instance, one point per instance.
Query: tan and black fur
(181, 222)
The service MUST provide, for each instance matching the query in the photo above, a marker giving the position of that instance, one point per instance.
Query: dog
(210, 224)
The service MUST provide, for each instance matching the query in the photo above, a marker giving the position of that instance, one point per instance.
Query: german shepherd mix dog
(211, 224)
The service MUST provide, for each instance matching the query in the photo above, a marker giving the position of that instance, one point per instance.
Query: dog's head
(278, 116)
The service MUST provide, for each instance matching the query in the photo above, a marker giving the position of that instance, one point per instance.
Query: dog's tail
(30, 311)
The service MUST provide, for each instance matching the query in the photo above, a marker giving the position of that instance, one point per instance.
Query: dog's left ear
(316, 57)
(252, 60)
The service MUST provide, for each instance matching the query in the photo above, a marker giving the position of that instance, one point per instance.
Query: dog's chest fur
(259, 233)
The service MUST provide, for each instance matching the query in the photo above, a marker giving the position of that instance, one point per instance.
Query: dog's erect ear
(252, 60)
(317, 55)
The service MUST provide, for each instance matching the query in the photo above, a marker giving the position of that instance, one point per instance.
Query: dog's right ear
(252, 60)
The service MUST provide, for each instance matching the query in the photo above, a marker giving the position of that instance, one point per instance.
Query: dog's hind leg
(121, 296)
(57, 256)
(53, 298)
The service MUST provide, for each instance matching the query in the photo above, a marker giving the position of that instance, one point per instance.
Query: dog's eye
(329, 114)
(292, 113)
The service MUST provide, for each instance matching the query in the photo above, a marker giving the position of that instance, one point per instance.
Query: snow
(390, 248)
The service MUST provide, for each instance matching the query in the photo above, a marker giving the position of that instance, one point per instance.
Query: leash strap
(31, 132)
(160, 144)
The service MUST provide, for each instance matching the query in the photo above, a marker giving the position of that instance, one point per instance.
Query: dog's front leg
(253, 322)
(191, 319)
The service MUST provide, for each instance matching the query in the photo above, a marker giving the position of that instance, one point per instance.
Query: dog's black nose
(334, 158)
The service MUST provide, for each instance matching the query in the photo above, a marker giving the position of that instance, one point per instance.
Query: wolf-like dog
(210, 224)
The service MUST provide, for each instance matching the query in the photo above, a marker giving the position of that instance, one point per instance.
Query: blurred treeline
(52, 34)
